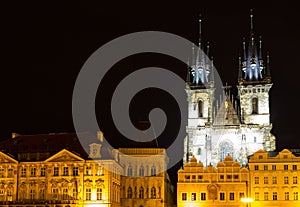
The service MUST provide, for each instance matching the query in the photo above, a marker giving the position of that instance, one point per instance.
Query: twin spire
(201, 67)
(252, 67)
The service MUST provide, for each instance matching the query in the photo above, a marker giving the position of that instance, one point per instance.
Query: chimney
(100, 136)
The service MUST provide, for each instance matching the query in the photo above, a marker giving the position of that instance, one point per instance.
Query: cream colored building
(145, 181)
(224, 185)
(56, 170)
(274, 178)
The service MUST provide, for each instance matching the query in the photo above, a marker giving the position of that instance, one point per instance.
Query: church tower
(222, 126)
(200, 97)
(254, 84)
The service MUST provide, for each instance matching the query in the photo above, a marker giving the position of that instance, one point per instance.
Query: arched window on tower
(141, 171)
(200, 108)
(153, 171)
(254, 105)
(129, 171)
(153, 192)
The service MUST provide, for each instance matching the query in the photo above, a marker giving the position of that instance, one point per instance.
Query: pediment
(4, 158)
(64, 156)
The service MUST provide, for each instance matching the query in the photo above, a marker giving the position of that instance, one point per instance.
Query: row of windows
(142, 171)
(203, 196)
(266, 196)
(56, 171)
(274, 180)
(266, 167)
(141, 193)
(221, 177)
(10, 172)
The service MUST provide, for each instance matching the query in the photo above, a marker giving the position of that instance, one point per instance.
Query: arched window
(199, 151)
(254, 105)
(141, 192)
(129, 171)
(200, 108)
(141, 171)
(129, 192)
(153, 192)
(153, 171)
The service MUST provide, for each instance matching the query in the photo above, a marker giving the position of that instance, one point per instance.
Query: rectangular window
(256, 167)
(55, 171)
(99, 170)
(55, 193)
(43, 171)
(1, 172)
(242, 195)
(266, 181)
(88, 170)
(274, 196)
(229, 177)
(295, 196)
(203, 196)
(295, 180)
(65, 171)
(274, 180)
(183, 196)
(286, 196)
(88, 194)
(74, 194)
(286, 180)
(236, 176)
(256, 196)
(194, 177)
(23, 172)
(231, 196)
(265, 167)
(260, 157)
(266, 196)
(222, 196)
(294, 167)
(99, 193)
(286, 167)
(33, 172)
(193, 197)
(65, 195)
(32, 194)
(200, 177)
(273, 167)
(256, 180)
(221, 177)
(187, 177)
(10, 172)
(75, 171)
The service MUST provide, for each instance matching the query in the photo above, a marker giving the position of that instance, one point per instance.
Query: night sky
(44, 47)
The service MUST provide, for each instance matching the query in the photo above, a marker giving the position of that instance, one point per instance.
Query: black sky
(45, 46)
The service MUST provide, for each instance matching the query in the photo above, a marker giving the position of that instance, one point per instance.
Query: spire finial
(200, 31)
(268, 73)
(251, 19)
(188, 74)
(207, 49)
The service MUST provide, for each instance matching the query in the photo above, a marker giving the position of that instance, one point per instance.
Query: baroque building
(224, 185)
(56, 170)
(218, 126)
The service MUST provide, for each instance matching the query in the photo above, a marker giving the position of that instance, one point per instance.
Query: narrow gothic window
(254, 105)
(200, 108)
(153, 171)
(129, 171)
(129, 192)
(141, 192)
(153, 192)
(142, 171)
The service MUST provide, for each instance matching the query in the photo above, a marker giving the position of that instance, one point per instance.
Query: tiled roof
(42, 146)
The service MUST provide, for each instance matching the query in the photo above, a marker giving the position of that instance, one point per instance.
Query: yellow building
(274, 178)
(145, 181)
(56, 170)
(209, 186)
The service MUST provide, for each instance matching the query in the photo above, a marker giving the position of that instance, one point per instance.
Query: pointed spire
(188, 74)
(251, 22)
(212, 75)
(260, 48)
(244, 50)
(200, 31)
(240, 69)
(207, 49)
(268, 72)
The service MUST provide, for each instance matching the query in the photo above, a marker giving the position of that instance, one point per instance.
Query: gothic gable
(4, 158)
(64, 156)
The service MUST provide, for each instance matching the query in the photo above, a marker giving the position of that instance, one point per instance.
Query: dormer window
(95, 150)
